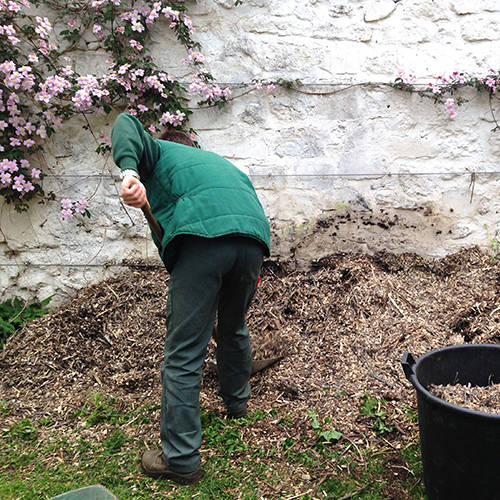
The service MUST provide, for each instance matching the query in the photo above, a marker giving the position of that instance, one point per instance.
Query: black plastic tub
(460, 447)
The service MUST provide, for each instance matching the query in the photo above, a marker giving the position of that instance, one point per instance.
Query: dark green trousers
(211, 278)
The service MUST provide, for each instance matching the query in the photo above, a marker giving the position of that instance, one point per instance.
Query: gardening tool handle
(157, 229)
(409, 364)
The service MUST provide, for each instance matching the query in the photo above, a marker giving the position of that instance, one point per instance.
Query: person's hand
(133, 192)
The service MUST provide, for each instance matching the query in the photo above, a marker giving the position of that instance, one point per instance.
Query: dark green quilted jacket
(191, 191)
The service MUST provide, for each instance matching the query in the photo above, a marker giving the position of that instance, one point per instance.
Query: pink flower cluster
(450, 85)
(18, 181)
(210, 91)
(407, 79)
(197, 57)
(132, 78)
(454, 79)
(11, 176)
(17, 78)
(69, 208)
(17, 130)
(51, 87)
(269, 86)
(143, 16)
(91, 91)
(13, 6)
(44, 27)
(450, 107)
(88, 88)
(492, 83)
(175, 119)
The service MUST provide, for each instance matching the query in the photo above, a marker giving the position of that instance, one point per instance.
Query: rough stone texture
(338, 168)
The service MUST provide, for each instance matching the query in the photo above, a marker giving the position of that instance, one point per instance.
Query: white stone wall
(344, 164)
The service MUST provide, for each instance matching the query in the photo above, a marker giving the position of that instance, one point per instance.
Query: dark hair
(177, 136)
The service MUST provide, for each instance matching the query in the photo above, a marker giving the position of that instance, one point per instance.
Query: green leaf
(331, 435)
(314, 417)
(6, 329)
(14, 313)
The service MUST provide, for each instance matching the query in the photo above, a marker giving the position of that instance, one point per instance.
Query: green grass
(101, 444)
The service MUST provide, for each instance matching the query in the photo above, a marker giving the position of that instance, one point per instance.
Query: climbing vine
(445, 89)
(41, 86)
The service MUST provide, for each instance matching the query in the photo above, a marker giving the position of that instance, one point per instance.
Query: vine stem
(349, 86)
(497, 125)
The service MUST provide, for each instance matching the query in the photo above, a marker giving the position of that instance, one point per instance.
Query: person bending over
(215, 237)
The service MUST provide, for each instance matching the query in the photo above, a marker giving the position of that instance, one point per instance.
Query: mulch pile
(341, 328)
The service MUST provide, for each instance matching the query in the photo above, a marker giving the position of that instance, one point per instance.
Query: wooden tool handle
(146, 210)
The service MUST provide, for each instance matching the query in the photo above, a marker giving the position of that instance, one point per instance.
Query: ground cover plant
(334, 418)
(15, 313)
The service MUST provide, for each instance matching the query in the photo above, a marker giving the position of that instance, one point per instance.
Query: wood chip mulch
(485, 399)
(342, 327)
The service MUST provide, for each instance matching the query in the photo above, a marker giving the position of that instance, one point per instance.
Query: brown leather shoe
(154, 466)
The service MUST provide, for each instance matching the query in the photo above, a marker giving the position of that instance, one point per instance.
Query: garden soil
(342, 328)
